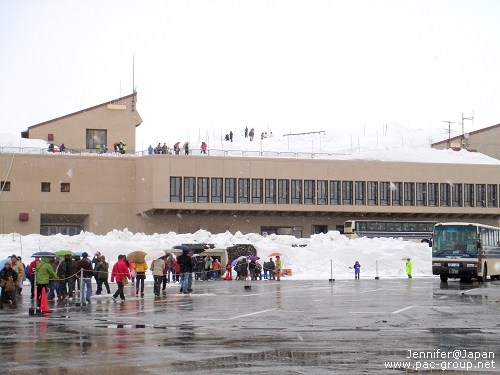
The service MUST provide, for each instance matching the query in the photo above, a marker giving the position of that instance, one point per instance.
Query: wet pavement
(287, 327)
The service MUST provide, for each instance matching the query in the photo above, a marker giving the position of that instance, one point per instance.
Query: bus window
(361, 226)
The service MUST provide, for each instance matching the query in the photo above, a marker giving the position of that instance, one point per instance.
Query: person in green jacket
(408, 267)
(43, 273)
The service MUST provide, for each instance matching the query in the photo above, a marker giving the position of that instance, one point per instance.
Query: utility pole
(463, 131)
(449, 132)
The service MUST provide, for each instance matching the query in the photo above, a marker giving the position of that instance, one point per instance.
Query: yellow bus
(465, 251)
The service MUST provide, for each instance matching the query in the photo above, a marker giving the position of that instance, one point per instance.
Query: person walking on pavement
(186, 267)
(120, 274)
(102, 270)
(88, 272)
(157, 267)
(140, 269)
(409, 267)
(357, 269)
(43, 273)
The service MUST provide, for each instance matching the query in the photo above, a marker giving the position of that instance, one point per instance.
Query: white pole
(376, 270)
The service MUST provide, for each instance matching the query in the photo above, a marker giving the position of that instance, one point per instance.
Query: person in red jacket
(120, 270)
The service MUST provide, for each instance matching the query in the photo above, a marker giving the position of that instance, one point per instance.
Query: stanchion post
(376, 270)
(81, 303)
(331, 271)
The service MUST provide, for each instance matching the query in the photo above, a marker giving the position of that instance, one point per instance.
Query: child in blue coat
(357, 269)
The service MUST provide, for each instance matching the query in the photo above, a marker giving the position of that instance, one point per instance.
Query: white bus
(409, 230)
(465, 251)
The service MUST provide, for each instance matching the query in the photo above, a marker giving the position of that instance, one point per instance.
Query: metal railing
(196, 152)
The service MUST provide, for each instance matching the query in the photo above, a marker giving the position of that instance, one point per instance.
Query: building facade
(68, 192)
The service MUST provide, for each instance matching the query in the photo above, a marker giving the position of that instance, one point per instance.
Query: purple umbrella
(253, 257)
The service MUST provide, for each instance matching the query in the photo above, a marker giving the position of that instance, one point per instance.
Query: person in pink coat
(120, 270)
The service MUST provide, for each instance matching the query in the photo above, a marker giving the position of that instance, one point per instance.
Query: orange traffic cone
(44, 305)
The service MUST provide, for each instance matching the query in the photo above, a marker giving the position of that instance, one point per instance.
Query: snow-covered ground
(308, 258)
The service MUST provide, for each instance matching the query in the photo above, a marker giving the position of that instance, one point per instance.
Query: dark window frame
(175, 189)
(283, 191)
(270, 191)
(230, 190)
(216, 189)
(296, 192)
(203, 189)
(322, 192)
(243, 190)
(189, 189)
(309, 192)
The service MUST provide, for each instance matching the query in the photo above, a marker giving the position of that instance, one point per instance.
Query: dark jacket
(184, 261)
(85, 264)
(102, 270)
(6, 273)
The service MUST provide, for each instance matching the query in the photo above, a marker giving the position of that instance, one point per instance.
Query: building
(83, 189)
(485, 141)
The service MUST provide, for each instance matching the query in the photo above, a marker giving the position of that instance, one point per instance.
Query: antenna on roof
(133, 84)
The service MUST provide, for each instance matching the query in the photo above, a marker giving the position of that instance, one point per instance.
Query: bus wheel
(482, 279)
(443, 278)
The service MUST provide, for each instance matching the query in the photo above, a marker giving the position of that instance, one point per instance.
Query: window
(175, 189)
(433, 194)
(385, 193)
(468, 195)
(480, 195)
(189, 189)
(296, 192)
(4, 185)
(445, 194)
(397, 194)
(347, 192)
(309, 192)
(64, 187)
(409, 193)
(270, 191)
(372, 193)
(96, 138)
(203, 189)
(216, 195)
(256, 190)
(492, 195)
(317, 229)
(335, 192)
(283, 191)
(322, 192)
(45, 187)
(456, 195)
(421, 194)
(243, 190)
(359, 192)
(230, 191)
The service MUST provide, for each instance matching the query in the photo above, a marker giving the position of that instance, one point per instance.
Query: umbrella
(183, 248)
(136, 256)
(78, 253)
(275, 254)
(253, 257)
(167, 252)
(61, 253)
(234, 262)
(405, 258)
(43, 254)
(155, 255)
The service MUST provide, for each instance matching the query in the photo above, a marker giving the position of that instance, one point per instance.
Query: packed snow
(320, 257)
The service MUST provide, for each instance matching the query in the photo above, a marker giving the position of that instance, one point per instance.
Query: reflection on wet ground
(292, 327)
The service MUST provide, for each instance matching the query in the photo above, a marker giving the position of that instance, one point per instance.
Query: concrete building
(68, 192)
(486, 141)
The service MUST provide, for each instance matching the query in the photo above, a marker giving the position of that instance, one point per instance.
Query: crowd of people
(60, 277)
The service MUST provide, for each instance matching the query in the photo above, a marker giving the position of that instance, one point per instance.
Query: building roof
(86, 110)
(458, 137)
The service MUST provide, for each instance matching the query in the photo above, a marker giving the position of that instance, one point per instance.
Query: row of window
(45, 188)
(324, 192)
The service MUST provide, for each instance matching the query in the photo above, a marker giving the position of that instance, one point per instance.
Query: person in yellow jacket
(140, 269)
(409, 267)
(278, 268)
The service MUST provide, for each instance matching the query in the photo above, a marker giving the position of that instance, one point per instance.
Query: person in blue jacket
(357, 269)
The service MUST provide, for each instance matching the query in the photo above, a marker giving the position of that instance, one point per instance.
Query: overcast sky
(286, 66)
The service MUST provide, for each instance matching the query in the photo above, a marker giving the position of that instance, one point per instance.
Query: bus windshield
(455, 239)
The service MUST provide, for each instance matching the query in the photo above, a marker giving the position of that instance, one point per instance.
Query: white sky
(314, 261)
(287, 66)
